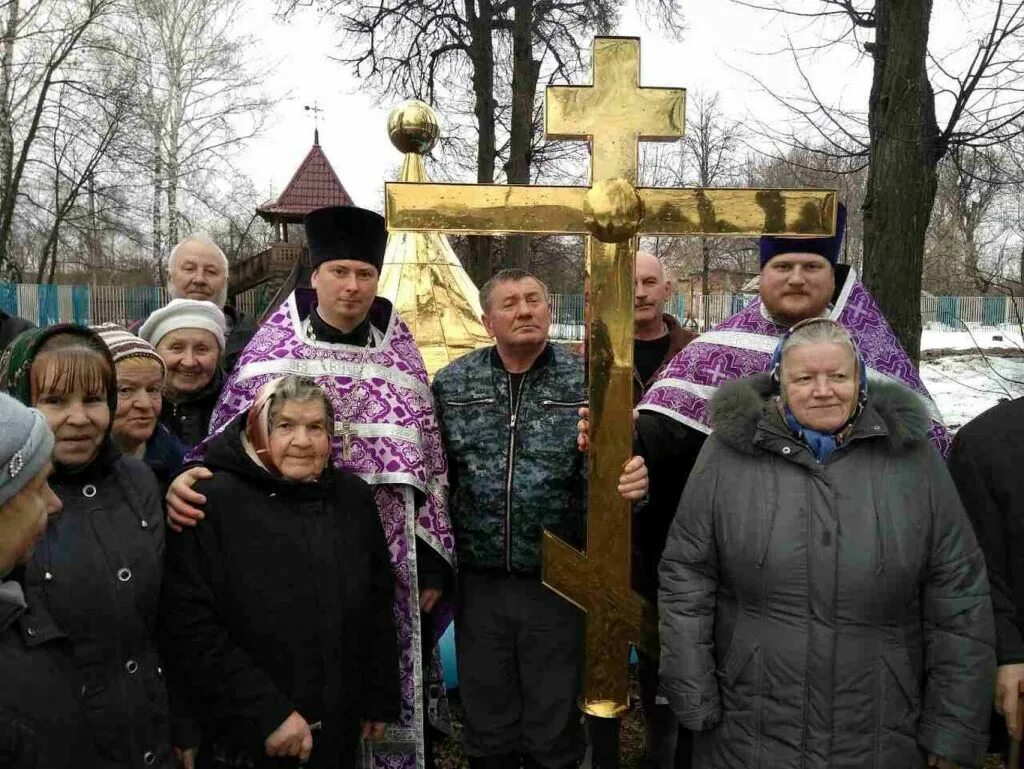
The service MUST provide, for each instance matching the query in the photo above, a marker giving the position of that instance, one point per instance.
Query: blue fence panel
(9, 298)
(81, 305)
(49, 304)
(140, 301)
(948, 313)
(993, 310)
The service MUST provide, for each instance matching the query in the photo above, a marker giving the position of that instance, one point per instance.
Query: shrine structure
(313, 185)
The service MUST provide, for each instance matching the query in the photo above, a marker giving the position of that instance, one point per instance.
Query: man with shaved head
(657, 337)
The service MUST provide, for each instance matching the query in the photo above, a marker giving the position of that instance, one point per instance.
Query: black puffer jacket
(42, 723)
(825, 615)
(281, 601)
(97, 572)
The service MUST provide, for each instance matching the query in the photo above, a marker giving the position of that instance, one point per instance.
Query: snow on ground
(987, 338)
(963, 386)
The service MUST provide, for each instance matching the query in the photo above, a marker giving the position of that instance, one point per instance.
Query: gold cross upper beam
(616, 110)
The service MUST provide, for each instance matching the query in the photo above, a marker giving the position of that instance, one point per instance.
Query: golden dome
(413, 127)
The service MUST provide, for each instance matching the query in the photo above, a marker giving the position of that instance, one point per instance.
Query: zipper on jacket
(513, 411)
(567, 404)
(471, 402)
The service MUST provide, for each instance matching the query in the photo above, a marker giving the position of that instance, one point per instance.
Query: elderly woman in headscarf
(823, 598)
(98, 568)
(137, 429)
(279, 607)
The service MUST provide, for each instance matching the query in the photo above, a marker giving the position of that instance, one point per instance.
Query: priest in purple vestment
(354, 344)
(800, 279)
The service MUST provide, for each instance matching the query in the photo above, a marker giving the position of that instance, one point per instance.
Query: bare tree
(965, 248)
(38, 55)
(899, 133)
(481, 62)
(201, 100)
(86, 124)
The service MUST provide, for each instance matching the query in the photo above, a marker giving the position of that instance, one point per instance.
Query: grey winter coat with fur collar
(825, 615)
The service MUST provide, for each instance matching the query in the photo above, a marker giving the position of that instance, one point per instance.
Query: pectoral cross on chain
(346, 432)
(613, 114)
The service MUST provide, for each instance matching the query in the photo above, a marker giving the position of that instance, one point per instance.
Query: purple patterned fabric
(382, 399)
(743, 344)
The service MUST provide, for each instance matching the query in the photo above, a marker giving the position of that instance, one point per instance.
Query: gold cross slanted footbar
(614, 114)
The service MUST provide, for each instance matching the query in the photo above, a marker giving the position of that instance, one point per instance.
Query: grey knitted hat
(26, 444)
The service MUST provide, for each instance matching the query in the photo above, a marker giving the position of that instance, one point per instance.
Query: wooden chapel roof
(314, 185)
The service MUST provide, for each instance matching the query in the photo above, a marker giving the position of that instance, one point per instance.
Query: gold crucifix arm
(481, 209)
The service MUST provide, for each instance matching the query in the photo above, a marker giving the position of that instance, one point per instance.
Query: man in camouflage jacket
(508, 415)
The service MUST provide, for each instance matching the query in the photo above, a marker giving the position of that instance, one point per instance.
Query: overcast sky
(722, 44)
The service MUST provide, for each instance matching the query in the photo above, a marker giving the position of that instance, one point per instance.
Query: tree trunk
(158, 203)
(481, 54)
(171, 185)
(705, 282)
(6, 71)
(903, 156)
(525, 71)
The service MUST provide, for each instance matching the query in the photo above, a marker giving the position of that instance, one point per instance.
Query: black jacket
(670, 450)
(97, 572)
(42, 723)
(10, 327)
(986, 461)
(164, 456)
(282, 601)
(189, 418)
(241, 329)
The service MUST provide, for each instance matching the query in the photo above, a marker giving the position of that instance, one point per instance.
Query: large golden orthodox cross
(613, 114)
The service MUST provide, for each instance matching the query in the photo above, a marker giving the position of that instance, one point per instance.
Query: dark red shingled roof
(314, 185)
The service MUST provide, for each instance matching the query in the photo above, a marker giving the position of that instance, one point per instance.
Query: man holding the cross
(507, 415)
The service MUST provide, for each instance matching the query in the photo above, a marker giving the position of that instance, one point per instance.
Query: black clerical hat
(827, 247)
(345, 232)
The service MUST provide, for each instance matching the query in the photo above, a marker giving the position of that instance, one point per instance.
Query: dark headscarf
(16, 373)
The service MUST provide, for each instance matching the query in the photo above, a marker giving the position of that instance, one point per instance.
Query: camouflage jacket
(513, 467)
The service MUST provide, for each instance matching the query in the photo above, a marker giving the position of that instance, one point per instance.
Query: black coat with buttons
(42, 722)
(281, 600)
(97, 572)
(830, 614)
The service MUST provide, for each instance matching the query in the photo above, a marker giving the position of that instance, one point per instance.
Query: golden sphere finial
(612, 210)
(412, 127)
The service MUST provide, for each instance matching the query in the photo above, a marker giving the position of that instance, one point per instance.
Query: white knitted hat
(184, 313)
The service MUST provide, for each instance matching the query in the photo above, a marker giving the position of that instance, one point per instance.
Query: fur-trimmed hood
(739, 409)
